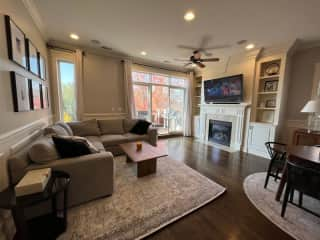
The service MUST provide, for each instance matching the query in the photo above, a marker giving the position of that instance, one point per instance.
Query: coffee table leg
(147, 167)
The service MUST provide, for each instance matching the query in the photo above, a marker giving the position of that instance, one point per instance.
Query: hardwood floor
(231, 216)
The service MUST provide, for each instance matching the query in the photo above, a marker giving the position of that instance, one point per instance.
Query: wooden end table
(146, 158)
(48, 226)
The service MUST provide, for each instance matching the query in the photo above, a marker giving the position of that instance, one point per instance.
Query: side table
(48, 226)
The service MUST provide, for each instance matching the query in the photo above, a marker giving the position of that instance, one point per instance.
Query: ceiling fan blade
(187, 64)
(204, 42)
(210, 60)
(187, 47)
(200, 64)
(216, 47)
(181, 60)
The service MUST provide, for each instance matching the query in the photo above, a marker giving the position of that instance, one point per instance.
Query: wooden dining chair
(278, 158)
(306, 180)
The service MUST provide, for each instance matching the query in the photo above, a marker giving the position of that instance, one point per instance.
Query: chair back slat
(304, 179)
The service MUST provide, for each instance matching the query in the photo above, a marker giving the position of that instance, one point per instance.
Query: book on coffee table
(34, 181)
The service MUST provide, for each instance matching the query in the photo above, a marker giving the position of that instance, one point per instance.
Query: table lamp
(312, 107)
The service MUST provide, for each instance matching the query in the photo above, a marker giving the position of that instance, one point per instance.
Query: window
(160, 99)
(67, 94)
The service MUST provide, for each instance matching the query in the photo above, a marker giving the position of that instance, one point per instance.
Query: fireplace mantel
(234, 113)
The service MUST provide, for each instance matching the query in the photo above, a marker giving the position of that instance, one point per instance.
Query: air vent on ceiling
(95, 41)
(106, 48)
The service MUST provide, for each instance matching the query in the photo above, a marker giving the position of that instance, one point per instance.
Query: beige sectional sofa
(92, 176)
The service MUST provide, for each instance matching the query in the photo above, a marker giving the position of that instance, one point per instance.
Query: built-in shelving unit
(196, 105)
(268, 91)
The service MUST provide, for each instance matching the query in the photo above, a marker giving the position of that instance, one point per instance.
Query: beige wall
(15, 126)
(103, 85)
(10, 120)
(300, 88)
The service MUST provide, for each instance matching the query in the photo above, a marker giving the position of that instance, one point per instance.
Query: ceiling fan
(197, 52)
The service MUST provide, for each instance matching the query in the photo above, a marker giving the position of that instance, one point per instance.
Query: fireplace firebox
(220, 132)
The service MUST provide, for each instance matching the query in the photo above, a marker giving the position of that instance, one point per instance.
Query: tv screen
(224, 90)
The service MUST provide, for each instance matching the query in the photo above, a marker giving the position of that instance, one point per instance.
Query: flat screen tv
(224, 90)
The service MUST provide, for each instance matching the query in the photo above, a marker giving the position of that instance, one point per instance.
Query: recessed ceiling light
(143, 53)
(250, 46)
(189, 16)
(74, 36)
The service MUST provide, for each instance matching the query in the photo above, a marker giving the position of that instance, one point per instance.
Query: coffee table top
(147, 152)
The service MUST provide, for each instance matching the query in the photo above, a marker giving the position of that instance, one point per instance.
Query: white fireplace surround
(234, 113)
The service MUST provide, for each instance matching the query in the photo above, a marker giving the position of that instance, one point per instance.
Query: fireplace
(220, 132)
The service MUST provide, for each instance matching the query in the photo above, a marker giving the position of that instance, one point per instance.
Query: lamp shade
(312, 106)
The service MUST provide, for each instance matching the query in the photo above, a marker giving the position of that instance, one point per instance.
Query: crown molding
(36, 17)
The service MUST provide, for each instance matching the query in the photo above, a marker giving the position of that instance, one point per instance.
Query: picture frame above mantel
(15, 43)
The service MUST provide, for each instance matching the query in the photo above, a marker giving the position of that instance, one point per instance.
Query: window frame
(169, 86)
(60, 97)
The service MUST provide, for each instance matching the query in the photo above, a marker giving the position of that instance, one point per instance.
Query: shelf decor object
(271, 86)
(272, 69)
(271, 103)
(15, 43)
(312, 107)
(33, 61)
(20, 92)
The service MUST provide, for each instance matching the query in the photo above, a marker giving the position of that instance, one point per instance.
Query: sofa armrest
(153, 135)
(92, 176)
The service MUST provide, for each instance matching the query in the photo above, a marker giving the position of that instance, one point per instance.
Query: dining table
(307, 156)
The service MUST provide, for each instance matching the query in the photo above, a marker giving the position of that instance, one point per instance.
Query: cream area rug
(297, 222)
(141, 206)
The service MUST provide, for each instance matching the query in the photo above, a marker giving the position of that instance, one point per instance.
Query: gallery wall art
(16, 43)
(20, 92)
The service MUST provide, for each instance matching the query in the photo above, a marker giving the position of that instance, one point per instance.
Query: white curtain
(79, 83)
(188, 106)
(128, 87)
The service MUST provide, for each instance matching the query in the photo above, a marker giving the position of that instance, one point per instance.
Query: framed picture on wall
(33, 61)
(20, 92)
(271, 86)
(42, 66)
(35, 94)
(44, 97)
(15, 43)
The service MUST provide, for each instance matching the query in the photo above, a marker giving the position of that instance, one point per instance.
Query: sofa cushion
(85, 128)
(96, 141)
(114, 126)
(56, 130)
(128, 124)
(112, 140)
(131, 137)
(141, 127)
(66, 127)
(69, 147)
(43, 151)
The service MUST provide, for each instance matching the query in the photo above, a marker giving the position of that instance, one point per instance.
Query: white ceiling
(157, 26)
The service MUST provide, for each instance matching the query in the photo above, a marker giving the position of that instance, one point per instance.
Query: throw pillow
(85, 128)
(128, 124)
(69, 147)
(43, 151)
(141, 127)
(111, 126)
(66, 127)
(56, 130)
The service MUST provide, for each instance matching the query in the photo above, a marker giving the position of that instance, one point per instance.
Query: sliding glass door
(160, 108)
(160, 99)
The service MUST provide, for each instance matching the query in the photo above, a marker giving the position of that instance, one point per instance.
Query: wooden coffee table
(146, 158)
